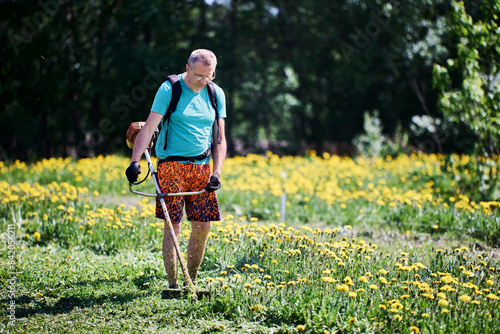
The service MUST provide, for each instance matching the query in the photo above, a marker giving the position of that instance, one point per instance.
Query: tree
(469, 87)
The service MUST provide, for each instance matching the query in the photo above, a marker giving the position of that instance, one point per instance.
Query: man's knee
(200, 227)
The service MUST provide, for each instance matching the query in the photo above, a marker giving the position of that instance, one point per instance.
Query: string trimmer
(189, 290)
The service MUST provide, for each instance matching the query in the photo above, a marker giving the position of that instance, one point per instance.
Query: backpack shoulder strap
(213, 100)
(176, 93)
(213, 97)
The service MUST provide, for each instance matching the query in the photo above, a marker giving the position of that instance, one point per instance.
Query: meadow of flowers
(297, 250)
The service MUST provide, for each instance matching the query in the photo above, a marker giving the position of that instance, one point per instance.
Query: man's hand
(214, 183)
(133, 171)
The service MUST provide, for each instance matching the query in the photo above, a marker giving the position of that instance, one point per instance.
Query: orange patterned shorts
(174, 177)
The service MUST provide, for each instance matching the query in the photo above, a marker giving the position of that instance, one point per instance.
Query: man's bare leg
(169, 255)
(196, 247)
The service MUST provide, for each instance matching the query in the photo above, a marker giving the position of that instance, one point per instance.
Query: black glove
(214, 183)
(133, 171)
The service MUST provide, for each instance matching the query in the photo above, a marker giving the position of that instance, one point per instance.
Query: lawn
(313, 244)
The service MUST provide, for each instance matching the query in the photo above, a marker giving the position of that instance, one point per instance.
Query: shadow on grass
(27, 306)
(67, 304)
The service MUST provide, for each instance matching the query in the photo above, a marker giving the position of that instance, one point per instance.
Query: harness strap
(200, 157)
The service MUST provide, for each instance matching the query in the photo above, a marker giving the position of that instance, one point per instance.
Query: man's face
(200, 75)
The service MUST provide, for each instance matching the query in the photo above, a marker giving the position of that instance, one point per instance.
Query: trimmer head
(185, 293)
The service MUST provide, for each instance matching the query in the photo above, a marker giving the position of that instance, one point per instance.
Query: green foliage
(373, 143)
(469, 87)
(75, 74)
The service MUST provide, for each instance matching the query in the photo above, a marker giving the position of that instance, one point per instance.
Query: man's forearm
(219, 156)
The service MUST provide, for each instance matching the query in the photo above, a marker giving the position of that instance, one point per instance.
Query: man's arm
(219, 154)
(144, 137)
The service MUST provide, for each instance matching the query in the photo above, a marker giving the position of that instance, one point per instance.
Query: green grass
(88, 253)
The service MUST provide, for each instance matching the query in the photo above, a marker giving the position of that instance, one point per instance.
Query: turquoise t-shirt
(190, 127)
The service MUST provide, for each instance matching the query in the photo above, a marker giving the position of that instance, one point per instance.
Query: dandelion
(301, 328)
(465, 298)
(398, 317)
(492, 297)
(489, 282)
(257, 307)
(353, 294)
(414, 329)
(37, 236)
(363, 279)
(373, 287)
(342, 287)
(352, 321)
(426, 315)
(441, 295)
(443, 303)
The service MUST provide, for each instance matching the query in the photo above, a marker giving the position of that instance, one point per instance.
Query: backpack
(176, 95)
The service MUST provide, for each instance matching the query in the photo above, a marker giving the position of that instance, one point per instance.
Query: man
(185, 138)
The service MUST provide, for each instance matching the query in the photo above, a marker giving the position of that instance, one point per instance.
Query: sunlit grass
(313, 265)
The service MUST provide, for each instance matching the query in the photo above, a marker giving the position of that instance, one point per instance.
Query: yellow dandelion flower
(445, 310)
(398, 317)
(492, 297)
(363, 279)
(301, 328)
(489, 282)
(352, 321)
(37, 236)
(426, 315)
(342, 287)
(414, 329)
(353, 294)
(373, 287)
(382, 307)
(443, 303)
(465, 298)
(257, 307)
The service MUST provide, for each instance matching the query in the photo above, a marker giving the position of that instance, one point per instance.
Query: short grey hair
(206, 57)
